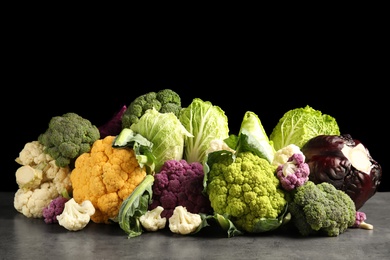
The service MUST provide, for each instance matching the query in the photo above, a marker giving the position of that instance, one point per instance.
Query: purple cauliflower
(180, 183)
(360, 221)
(55, 208)
(293, 173)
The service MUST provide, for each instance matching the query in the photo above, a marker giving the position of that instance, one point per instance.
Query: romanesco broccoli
(247, 190)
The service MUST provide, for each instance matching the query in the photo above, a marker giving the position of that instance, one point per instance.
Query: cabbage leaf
(299, 125)
(166, 133)
(206, 122)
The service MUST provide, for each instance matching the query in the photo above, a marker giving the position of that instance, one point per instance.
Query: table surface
(28, 238)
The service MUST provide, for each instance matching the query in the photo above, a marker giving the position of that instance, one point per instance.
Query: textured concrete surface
(24, 238)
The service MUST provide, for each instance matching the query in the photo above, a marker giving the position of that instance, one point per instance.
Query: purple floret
(360, 218)
(294, 173)
(55, 208)
(180, 183)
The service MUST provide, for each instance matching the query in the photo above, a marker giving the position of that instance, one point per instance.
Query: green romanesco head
(164, 101)
(246, 189)
(67, 137)
(321, 208)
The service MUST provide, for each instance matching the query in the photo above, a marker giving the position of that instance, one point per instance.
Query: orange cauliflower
(106, 176)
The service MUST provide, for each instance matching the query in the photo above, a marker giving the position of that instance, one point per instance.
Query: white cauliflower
(32, 202)
(184, 222)
(282, 155)
(76, 216)
(152, 220)
(40, 179)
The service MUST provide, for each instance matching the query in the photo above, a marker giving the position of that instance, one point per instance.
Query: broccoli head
(164, 101)
(321, 208)
(67, 137)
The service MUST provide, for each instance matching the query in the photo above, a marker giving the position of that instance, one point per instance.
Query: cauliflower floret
(32, 202)
(32, 154)
(38, 178)
(76, 216)
(184, 222)
(152, 220)
(282, 155)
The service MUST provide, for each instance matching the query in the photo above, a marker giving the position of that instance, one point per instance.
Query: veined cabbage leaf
(166, 133)
(297, 126)
(206, 122)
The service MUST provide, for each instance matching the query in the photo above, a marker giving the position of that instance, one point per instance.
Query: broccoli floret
(321, 208)
(67, 137)
(164, 101)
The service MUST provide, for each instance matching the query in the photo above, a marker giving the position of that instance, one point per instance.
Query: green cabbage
(206, 122)
(166, 133)
(297, 126)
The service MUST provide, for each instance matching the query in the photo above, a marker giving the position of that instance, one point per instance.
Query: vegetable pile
(160, 164)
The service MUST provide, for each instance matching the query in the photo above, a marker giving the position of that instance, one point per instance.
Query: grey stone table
(26, 238)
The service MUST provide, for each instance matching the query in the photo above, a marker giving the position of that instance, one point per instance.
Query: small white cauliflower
(282, 155)
(76, 216)
(152, 220)
(32, 202)
(38, 178)
(184, 222)
(32, 154)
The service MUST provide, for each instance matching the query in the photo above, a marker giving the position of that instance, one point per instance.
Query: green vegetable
(166, 133)
(206, 123)
(67, 137)
(241, 185)
(299, 125)
(321, 208)
(134, 206)
(164, 101)
(256, 140)
(245, 189)
(141, 146)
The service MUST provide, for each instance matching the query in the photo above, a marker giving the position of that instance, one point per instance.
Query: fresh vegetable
(141, 146)
(166, 133)
(243, 186)
(67, 137)
(246, 189)
(134, 206)
(106, 176)
(205, 122)
(294, 173)
(180, 183)
(114, 125)
(164, 101)
(39, 180)
(299, 125)
(184, 222)
(321, 209)
(76, 216)
(152, 220)
(55, 208)
(253, 137)
(345, 163)
(360, 221)
(282, 155)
